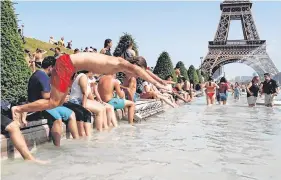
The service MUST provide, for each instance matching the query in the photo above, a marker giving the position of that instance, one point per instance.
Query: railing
(237, 42)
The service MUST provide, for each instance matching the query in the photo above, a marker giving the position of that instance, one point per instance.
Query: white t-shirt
(145, 83)
(76, 92)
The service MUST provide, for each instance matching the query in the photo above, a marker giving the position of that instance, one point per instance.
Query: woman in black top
(253, 91)
(107, 47)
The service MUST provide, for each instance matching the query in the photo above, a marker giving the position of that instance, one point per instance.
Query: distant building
(246, 78)
(237, 79)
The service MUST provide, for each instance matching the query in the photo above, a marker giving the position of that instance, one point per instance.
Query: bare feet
(15, 114)
(37, 161)
(23, 118)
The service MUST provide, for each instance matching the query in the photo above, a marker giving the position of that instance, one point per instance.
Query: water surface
(193, 142)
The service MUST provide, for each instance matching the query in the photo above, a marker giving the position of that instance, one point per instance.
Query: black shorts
(81, 113)
(5, 121)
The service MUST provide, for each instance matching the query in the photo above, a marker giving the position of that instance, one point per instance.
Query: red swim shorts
(62, 73)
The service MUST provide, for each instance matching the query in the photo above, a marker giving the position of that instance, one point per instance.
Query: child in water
(237, 91)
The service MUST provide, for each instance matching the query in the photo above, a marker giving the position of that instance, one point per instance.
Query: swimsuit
(236, 93)
(223, 92)
(135, 97)
(63, 73)
(117, 103)
(211, 90)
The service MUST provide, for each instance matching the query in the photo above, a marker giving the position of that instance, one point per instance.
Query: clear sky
(181, 28)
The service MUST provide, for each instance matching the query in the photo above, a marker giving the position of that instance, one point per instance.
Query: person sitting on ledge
(130, 87)
(65, 68)
(179, 89)
(111, 117)
(39, 89)
(107, 85)
(176, 95)
(149, 93)
(81, 94)
(12, 127)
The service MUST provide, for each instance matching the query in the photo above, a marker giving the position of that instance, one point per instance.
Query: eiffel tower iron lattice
(251, 50)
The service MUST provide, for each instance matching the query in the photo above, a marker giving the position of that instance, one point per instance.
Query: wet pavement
(193, 142)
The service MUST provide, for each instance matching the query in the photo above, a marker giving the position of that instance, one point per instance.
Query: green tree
(164, 66)
(123, 45)
(192, 74)
(14, 69)
(183, 69)
(199, 76)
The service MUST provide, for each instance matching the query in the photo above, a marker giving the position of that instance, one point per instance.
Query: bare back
(106, 87)
(100, 63)
(210, 86)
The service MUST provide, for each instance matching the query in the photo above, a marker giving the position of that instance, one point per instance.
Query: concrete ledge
(38, 132)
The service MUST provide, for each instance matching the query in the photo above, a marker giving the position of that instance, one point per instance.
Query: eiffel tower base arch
(250, 51)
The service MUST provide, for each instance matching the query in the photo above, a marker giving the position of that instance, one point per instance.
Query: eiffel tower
(251, 50)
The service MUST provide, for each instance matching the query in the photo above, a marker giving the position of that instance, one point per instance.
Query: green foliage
(192, 74)
(174, 76)
(205, 76)
(124, 44)
(164, 66)
(14, 69)
(183, 69)
(199, 76)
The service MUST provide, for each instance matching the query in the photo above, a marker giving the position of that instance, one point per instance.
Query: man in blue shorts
(107, 85)
(39, 88)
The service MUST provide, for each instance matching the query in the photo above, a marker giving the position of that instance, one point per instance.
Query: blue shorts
(117, 103)
(223, 96)
(135, 98)
(60, 113)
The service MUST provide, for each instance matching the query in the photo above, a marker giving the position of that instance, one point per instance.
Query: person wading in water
(236, 91)
(223, 88)
(210, 91)
(252, 91)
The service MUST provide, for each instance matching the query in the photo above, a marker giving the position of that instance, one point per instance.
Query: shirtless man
(67, 65)
(107, 85)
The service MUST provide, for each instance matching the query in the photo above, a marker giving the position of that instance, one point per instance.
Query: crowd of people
(81, 89)
(269, 88)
